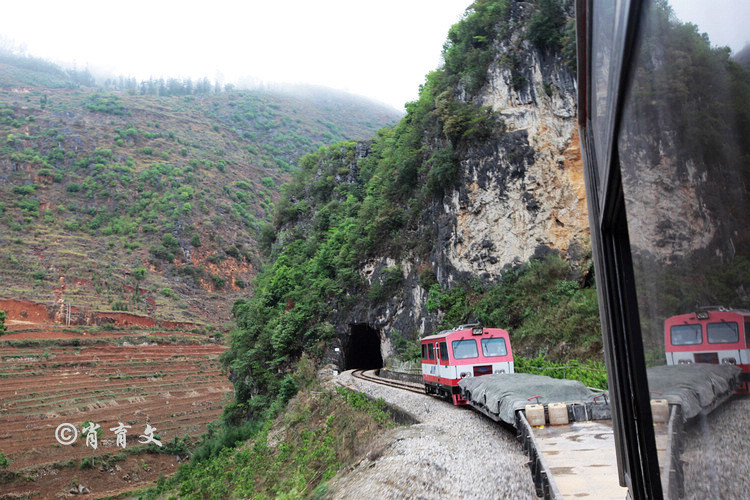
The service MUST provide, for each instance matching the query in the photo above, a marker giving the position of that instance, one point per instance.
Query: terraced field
(171, 381)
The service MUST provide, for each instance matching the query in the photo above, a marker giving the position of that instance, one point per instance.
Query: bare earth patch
(175, 388)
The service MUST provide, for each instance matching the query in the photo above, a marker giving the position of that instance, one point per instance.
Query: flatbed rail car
(711, 335)
(465, 351)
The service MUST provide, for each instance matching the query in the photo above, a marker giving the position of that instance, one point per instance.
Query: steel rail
(369, 377)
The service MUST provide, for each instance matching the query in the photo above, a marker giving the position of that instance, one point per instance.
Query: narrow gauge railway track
(368, 375)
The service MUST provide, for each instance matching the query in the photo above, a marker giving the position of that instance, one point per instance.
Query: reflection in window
(683, 148)
(494, 347)
(685, 162)
(686, 335)
(723, 333)
(465, 349)
(603, 106)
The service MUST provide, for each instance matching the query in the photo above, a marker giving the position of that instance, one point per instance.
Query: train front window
(431, 351)
(726, 332)
(686, 335)
(494, 347)
(465, 349)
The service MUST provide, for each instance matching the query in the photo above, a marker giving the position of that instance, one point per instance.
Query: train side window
(424, 351)
(444, 351)
(431, 351)
(686, 335)
(465, 349)
(747, 333)
(494, 347)
(726, 332)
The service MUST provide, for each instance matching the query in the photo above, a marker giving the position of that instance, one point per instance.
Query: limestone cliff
(522, 192)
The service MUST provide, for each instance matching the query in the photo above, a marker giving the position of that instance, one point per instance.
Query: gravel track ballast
(453, 452)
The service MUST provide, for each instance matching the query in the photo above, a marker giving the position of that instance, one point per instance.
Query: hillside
(472, 208)
(117, 200)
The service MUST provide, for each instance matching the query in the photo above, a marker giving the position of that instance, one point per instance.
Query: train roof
(463, 328)
(703, 313)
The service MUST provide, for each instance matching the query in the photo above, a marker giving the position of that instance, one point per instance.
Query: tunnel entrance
(363, 350)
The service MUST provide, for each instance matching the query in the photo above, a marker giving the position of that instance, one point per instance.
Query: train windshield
(726, 332)
(494, 347)
(686, 335)
(465, 349)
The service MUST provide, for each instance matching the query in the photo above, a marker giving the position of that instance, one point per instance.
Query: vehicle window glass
(494, 347)
(424, 351)
(683, 155)
(465, 349)
(726, 332)
(431, 351)
(747, 332)
(604, 29)
(444, 351)
(686, 335)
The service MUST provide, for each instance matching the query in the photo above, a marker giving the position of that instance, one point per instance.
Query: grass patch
(290, 456)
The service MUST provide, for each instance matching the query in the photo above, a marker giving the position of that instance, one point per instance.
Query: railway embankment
(450, 452)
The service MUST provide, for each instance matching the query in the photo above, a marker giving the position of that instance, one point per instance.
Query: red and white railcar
(715, 336)
(466, 351)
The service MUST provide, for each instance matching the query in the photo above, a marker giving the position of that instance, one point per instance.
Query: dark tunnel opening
(363, 350)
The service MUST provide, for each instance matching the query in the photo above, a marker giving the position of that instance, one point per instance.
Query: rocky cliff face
(520, 194)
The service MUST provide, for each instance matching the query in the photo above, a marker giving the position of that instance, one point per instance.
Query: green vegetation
(319, 432)
(591, 373)
(3, 328)
(546, 25)
(468, 50)
(537, 302)
(4, 462)
(105, 103)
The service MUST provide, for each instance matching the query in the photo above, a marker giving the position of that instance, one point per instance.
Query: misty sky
(380, 49)
(727, 22)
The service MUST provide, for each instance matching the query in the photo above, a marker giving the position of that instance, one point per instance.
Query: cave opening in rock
(363, 350)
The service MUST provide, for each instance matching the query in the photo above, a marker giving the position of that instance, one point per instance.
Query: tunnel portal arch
(363, 348)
